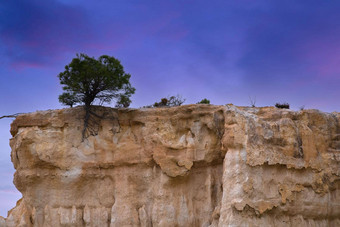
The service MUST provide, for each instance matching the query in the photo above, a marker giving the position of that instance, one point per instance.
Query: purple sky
(225, 51)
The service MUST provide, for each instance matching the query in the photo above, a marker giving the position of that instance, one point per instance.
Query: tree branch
(11, 116)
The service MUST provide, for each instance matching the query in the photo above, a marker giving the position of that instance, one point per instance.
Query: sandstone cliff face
(195, 165)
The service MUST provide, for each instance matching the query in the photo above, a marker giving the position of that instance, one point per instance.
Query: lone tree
(86, 80)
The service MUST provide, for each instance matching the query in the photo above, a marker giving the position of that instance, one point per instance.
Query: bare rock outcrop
(194, 165)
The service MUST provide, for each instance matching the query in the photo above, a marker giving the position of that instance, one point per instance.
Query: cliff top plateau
(193, 165)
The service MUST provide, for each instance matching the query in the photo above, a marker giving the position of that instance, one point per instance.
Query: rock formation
(194, 165)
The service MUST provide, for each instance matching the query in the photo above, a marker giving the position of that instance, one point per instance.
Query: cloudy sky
(225, 51)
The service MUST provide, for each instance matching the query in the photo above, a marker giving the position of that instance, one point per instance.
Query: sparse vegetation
(175, 100)
(282, 105)
(204, 101)
(252, 101)
(163, 102)
(168, 102)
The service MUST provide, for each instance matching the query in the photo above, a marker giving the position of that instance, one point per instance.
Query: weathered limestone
(194, 165)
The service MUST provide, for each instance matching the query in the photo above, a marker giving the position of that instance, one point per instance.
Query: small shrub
(175, 101)
(164, 101)
(169, 102)
(252, 101)
(282, 105)
(204, 101)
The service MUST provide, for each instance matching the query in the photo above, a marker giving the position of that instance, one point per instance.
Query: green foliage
(68, 99)
(204, 101)
(164, 101)
(87, 79)
(123, 101)
(282, 105)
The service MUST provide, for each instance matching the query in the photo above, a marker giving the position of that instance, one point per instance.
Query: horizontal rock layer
(194, 165)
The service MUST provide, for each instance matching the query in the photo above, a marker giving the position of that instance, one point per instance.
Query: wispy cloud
(34, 33)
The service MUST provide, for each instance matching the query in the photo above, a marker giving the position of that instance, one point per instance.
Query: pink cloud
(21, 65)
(322, 54)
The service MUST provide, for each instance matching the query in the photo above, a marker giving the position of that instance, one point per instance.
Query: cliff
(194, 165)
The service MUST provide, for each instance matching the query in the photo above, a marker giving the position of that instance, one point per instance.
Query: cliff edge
(193, 165)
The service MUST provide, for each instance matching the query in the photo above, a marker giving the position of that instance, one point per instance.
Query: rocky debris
(194, 165)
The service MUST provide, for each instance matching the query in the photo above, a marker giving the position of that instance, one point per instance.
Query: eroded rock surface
(194, 165)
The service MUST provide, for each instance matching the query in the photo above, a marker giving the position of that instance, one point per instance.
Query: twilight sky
(225, 51)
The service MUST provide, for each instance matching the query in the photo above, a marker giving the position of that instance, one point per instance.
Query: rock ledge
(194, 165)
